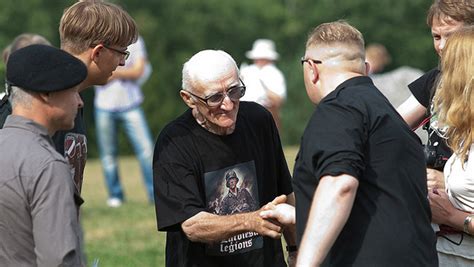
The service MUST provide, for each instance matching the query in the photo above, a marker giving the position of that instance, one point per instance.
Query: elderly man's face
(222, 118)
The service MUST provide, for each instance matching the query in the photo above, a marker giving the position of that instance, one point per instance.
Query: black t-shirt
(190, 166)
(354, 130)
(422, 88)
(5, 110)
(437, 150)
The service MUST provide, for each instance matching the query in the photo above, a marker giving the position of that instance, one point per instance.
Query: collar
(354, 81)
(19, 122)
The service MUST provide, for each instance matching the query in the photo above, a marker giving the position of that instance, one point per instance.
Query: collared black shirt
(354, 130)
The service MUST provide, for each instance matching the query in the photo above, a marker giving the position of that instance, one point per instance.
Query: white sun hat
(263, 49)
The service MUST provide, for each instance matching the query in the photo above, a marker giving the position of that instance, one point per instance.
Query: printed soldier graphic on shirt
(75, 151)
(229, 191)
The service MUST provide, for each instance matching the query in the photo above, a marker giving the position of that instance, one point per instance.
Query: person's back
(359, 177)
(25, 190)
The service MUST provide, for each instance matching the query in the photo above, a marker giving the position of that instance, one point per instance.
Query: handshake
(273, 217)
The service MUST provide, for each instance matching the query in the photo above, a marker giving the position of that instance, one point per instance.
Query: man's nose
(227, 103)
(80, 103)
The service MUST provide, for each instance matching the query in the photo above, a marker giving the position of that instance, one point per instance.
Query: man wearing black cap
(39, 223)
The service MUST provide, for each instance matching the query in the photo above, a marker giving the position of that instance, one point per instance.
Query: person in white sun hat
(265, 82)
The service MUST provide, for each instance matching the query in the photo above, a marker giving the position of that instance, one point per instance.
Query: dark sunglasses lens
(235, 93)
(215, 100)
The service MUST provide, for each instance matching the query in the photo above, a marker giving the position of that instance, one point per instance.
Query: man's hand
(283, 213)
(262, 226)
(435, 179)
(441, 207)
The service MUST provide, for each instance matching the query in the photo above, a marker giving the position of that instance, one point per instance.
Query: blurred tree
(176, 29)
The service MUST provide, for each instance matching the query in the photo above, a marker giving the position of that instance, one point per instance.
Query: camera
(434, 159)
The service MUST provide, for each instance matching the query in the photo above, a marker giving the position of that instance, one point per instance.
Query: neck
(33, 114)
(330, 83)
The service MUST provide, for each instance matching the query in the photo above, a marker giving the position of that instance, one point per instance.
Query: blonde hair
(453, 98)
(88, 23)
(458, 10)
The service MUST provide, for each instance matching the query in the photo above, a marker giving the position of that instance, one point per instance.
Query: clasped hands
(274, 216)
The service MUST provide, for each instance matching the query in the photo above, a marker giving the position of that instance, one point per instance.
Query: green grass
(124, 236)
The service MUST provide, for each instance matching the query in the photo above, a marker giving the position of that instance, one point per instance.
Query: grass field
(124, 236)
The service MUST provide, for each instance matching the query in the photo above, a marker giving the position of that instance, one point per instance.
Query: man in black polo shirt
(359, 178)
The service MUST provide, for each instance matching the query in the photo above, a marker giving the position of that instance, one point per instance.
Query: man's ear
(367, 68)
(95, 53)
(314, 73)
(187, 99)
(44, 97)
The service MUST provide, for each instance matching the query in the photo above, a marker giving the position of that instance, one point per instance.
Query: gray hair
(20, 97)
(206, 65)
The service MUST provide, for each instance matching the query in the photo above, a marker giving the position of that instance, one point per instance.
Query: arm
(443, 211)
(412, 111)
(330, 209)
(133, 72)
(206, 227)
(289, 232)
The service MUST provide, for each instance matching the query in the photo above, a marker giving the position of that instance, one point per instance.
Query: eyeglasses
(125, 53)
(234, 93)
(303, 60)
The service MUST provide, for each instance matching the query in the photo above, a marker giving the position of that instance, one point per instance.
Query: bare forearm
(289, 232)
(331, 206)
(132, 73)
(209, 228)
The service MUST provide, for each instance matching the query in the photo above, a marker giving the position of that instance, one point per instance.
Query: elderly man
(39, 224)
(216, 134)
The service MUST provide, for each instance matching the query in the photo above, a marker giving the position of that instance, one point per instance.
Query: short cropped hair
(206, 64)
(19, 96)
(88, 23)
(454, 96)
(458, 10)
(345, 36)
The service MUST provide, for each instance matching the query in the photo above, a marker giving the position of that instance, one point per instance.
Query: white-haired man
(216, 134)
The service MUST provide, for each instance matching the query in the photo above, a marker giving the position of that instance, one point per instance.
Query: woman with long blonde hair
(453, 104)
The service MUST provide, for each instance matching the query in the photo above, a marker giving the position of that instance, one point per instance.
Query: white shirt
(119, 94)
(259, 80)
(460, 189)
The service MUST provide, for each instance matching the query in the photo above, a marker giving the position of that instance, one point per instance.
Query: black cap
(43, 68)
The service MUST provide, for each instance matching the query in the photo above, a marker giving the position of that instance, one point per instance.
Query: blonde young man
(444, 18)
(359, 177)
(219, 136)
(98, 33)
(39, 225)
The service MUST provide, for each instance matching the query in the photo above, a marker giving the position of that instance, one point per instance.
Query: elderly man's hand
(264, 227)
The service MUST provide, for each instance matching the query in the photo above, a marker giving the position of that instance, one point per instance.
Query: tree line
(174, 30)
